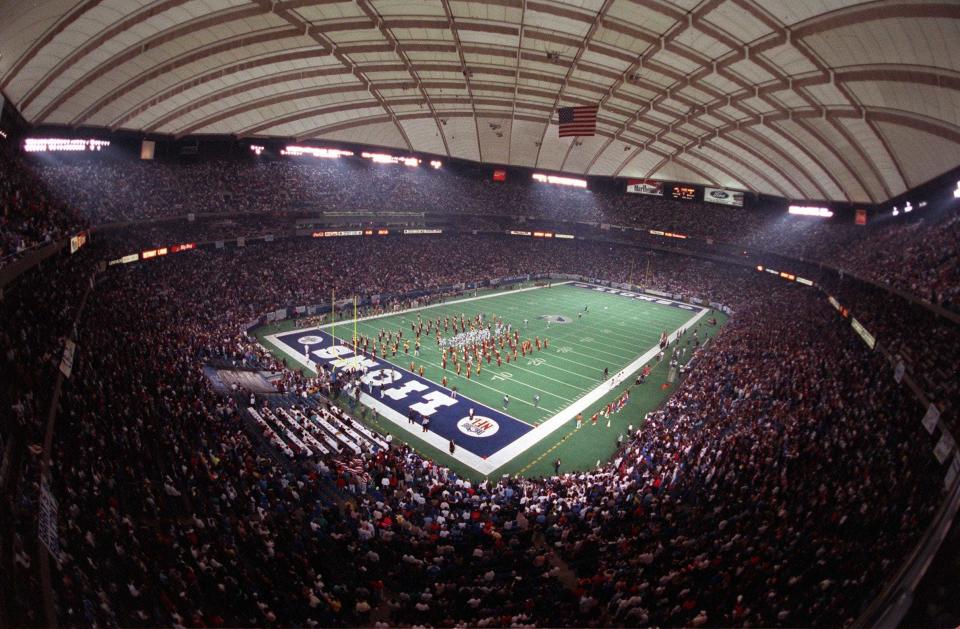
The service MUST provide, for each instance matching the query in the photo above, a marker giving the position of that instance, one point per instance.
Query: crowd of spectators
(783, 482)
(917, 256)
(28, 215)
(927, 343)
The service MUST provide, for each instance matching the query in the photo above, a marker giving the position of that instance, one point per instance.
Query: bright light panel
(325, 153)
(50, 145)
(560, 181)
(804, 210)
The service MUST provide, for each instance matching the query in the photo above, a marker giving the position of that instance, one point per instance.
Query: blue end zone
(490, 431)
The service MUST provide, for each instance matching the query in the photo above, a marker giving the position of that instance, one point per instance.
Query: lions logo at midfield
(555, 318)
(479, 426)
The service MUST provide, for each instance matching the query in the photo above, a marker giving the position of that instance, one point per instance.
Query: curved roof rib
(781, 98)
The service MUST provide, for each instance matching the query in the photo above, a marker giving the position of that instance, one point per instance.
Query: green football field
(601, 331)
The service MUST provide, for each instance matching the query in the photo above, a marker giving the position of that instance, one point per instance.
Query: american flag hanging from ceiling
(578, 121)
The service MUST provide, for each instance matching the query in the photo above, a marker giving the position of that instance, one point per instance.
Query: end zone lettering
(638, 296)
(394, 392)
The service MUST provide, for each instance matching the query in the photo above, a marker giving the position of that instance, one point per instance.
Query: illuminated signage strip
(133, 257)
(834, 302)
(383, 158)
(296, 151)
(538, 234)
(868, 338)
(790, 277)
(153, 253)
(423, 231)
(56, 145)
(334, 234)
(658, 232)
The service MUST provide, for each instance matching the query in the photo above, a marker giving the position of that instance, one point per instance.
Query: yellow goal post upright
(355, 359)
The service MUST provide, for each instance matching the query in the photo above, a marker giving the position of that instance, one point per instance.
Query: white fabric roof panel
(425, 135)
(553, 148)
(872, 145)
(918, 152)
(855, 160)
(791, 150)
(885, 71)
(641, 164)
(678, 172)
(495, 138)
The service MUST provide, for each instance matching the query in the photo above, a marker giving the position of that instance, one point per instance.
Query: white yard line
(527, 441)
(432, 306)
(303, 361)
(541, 431)
(462, 454)
(563, 342)
(453, 374)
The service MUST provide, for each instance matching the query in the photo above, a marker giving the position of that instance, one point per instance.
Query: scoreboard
(685, 193)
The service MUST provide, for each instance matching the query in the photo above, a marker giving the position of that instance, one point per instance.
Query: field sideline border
(530, 439)
(511, 451)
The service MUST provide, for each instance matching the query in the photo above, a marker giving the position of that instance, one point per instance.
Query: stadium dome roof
(816, 99)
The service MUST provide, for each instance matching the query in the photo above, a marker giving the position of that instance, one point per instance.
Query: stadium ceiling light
(560, 181)
(50, 145)
(956, 193)
(295, 151)
(803, 210)
(256, 148)
(922, 204)
(908, 207)
(383, 158)
(896, 211)
(436, 163)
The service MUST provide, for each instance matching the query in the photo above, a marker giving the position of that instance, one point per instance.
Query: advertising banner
(724, 197)
(645, 186)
